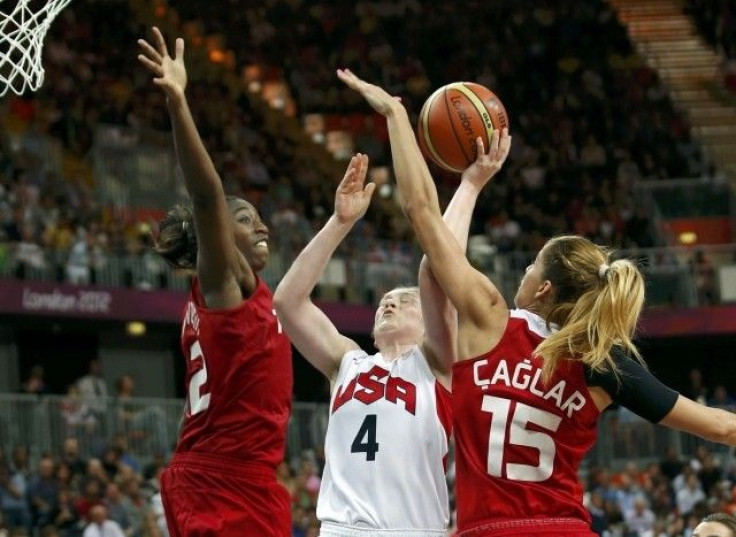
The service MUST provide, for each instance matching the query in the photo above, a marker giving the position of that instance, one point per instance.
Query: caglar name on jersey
(527, 376)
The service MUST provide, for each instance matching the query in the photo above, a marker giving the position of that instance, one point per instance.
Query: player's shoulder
(352, 359)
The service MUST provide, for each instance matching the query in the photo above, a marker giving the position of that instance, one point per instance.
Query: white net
(23, 26)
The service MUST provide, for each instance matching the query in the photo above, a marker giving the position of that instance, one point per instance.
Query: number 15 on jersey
(499, 445)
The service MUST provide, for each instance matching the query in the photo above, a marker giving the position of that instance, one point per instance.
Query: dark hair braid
(177, 238)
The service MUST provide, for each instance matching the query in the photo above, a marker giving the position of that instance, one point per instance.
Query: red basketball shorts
(206, 497)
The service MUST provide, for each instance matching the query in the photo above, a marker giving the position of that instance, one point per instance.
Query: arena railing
(150, 427)
(364, 269)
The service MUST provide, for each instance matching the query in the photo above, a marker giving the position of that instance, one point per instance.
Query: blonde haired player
(531, 382)
(387, 436)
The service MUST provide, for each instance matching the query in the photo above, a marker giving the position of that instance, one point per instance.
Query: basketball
(451, 120)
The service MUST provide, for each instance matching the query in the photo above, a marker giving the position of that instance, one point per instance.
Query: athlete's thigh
(206, 504)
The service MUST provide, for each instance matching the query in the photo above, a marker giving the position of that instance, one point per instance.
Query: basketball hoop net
(23, 26)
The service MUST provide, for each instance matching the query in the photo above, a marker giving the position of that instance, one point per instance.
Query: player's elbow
(419, 211)
(723, 427)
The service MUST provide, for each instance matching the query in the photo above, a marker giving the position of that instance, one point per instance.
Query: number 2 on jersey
(519, 435)
(365, 440)
(198, 402)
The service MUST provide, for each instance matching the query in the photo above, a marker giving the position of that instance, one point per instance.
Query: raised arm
(223, 275)
(480, 306)
(440, 317)
(309, 329)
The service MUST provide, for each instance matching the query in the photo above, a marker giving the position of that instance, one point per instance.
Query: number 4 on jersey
(365, 440)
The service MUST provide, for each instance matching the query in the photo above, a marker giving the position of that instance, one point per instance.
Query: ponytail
(596, 305)
(176, 240)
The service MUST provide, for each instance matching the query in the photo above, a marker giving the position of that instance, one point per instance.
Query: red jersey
(239, 379)
(519, 441)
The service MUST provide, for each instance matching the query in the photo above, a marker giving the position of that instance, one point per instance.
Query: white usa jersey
(387, 439)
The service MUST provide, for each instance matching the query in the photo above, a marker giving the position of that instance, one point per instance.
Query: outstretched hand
(487, 164)
(169, 72)
(353, 196)
(382, 102)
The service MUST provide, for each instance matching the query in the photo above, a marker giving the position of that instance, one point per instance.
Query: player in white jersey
(387, 437)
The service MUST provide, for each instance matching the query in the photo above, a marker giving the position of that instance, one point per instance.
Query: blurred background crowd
(590, 121)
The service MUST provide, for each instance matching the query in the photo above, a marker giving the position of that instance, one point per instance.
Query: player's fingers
(149, 50)
(370, 188)
(363, 161)
(505, 144)
(495, 139)
(160, 41)
(346, 76)
(480, 149)
(349, 176)
(350, 171)
(179, 49)
(152, 66)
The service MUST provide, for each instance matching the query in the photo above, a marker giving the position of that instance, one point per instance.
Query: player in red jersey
(531, 382)
(222, 478)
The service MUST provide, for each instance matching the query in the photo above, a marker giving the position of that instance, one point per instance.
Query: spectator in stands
(76, 413)
(690, 495)
(35, 384)
(696, 389)
(90, 496)
(598, 514)
(64, 515)
(716, 525)
(705, 279)
(141, 423)
(96, 472)
(20, 462)
(42, 492)
(13, 503)
(155, 523)
(117, 511)
(671, 465)
(721, 397)
(628, 492)
(709, 474)
(100, 526)
(28, 253)
(77, 466)
(79, 262)
(639, 519)
(93, 388)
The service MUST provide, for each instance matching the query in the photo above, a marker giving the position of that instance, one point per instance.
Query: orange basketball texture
(453, 117)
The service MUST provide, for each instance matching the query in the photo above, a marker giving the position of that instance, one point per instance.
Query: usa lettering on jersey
(374, 385)
(526, 376)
